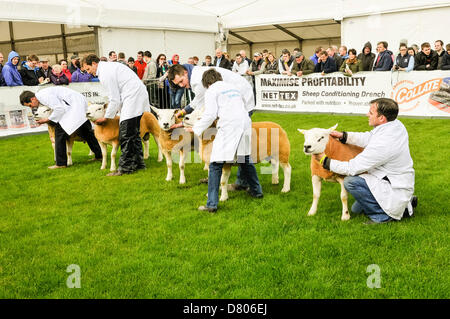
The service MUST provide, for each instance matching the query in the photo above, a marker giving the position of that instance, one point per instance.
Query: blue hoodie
(10, 72)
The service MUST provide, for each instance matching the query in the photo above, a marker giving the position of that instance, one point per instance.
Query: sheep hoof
(102, 168)
(168, 178)
(223, 198)
(345, 217)
(275, 181)
(146, 156)
(182, 181)
(285, 190)
(312, 213)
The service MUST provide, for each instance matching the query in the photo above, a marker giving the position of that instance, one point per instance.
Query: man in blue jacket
(384, 60)
(10, 73)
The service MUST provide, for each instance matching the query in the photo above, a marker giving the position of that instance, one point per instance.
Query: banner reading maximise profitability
(418, 93)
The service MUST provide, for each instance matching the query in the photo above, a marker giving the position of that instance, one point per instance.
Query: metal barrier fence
(162, 97)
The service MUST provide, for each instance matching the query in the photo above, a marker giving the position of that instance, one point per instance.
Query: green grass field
(139, 236)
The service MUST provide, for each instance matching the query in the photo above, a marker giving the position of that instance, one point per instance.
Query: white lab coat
(242, 70)
(243, 85)
(234, 127)
(126, 92)
(387, 154)
(69, 107)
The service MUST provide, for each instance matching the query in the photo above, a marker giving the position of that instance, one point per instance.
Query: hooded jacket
(80, 76)
(367, 60)
(383, 61)
(10, 73)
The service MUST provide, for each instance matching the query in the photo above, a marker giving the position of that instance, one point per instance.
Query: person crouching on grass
(233, 139)
(69, 116)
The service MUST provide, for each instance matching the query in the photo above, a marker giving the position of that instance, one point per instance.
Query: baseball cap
(298, 54)
(73, 57)
(257, 54)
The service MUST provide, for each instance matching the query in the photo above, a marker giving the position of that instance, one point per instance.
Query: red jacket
(67, 74)
(140, 66)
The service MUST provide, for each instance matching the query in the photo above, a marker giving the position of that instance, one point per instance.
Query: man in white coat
(179, 75)
(68, 115)
(127, 95)
(233, 139)
(381, 177)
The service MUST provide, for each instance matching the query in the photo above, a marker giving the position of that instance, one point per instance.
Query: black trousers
(85, 132)
(131, 157)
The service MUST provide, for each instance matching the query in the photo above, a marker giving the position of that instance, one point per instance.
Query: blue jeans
(365, 202)
(175, 98)
(239, 180)
(248, 173)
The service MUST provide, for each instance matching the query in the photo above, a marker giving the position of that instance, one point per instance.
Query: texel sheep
(317, 141)
(108, 133)
(172, 140)
(44, 112)
(278, 151)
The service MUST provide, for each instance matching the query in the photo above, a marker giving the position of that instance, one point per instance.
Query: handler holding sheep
(128, 95)
(380, 178)
(178, 74)
(69, 115)
(233, 139)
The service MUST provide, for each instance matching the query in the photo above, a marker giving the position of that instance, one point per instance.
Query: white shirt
(386, 153)
(126, 91)
(69, 107)
(242, 69)
(243, 85)
(224, 101)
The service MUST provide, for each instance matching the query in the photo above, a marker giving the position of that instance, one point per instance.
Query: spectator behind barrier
(315, 57)
(58, 77)
(45, 68)
(351, 65)
(416, 48)
(112, 56)
(439, 48)
(121, 58)
(302, 66)
(411, 52)
(271, 64)
(403, 61)
(244, 56)
(175, 60)
(74, 63)
(257, 66)
(366, 57)
(65, 70)
(131, 64)
(196, 60)
(161, 73)
(332, 53)
(325, 64)
(286, 62)
(30, 73)
(140, 64)
(150, 69)
(10, 73)
(343, 52)
(241, 67)
(383, 61)
(221, 61)
(208, 61)
(426, 59)
(2, 80)
(81, 75)
(446, 59)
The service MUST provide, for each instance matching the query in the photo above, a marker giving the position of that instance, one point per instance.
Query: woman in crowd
(131, 64)
(403, 61)
(58, 77)
(161, 73)
(351, 65)
(271, 64)
(175, 59)
(81, 76)
(65, 69)
(412, 52)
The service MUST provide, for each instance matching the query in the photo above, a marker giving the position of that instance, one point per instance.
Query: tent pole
(64, 43)
(11, 35)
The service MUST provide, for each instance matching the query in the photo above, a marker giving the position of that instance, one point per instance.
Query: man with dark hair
(128, 95)
(315, 57)
(446, 59)
(112, 56)
(286, 62)
(223, 101)
(208, 60)
(381, 177)
(121, 58)
(439, 48)
(68, 116)
(337, 58)
(140, 64)
(384, 60)
(150, 69)
(74, 63)
(426, 59)
(326, 64)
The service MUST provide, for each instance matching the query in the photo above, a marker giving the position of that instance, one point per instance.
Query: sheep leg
(160, 154)
(90, 152)
(146, 148)
(287, 177)
(344, 197)
(226, 171)
(181, 165)
(115, 147)
(168, 156)
(104, 149)
(275, 168)
(317, 185)
(69, 145)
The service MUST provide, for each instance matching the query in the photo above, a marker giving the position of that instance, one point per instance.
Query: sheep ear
(154, 109)
(105, 106)
(331, 129)
(301, 131)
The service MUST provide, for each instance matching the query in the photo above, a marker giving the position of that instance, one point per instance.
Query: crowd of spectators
(35, 71)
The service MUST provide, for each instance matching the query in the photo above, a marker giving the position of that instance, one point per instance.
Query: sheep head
(316, 139)
(190, 119)
(96, 111)
(166, 117)
(42, 112)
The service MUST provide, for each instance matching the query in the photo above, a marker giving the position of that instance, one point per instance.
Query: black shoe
(260, 195)
(414, 201)
(207, 209)
(237, 187)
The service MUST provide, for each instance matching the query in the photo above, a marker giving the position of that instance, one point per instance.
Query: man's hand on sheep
(176, 126)
(101, 121)
(337, 134)
(189, 129)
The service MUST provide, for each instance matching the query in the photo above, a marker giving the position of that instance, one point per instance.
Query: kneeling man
(381, 178)
(233, 138)
(69, 115)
